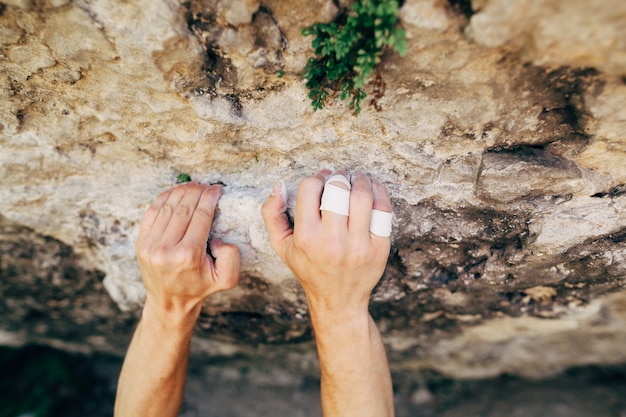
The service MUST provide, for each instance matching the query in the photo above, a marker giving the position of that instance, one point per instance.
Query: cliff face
(502, 139)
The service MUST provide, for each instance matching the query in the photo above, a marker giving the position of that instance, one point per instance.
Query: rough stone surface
(501, 139)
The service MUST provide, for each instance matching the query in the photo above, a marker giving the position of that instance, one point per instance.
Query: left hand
(176, 270)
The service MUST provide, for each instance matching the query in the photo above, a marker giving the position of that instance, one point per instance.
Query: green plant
(182, 178)
(349, 50)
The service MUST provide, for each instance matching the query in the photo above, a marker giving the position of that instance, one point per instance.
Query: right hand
(335, 258)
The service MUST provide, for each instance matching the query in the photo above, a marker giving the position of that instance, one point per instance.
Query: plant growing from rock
(349, 51)
(183, 178)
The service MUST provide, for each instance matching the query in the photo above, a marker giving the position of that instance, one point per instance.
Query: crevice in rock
(571, 84)
(463, 7)
(260, 39)
(231, 72)
(612, 192)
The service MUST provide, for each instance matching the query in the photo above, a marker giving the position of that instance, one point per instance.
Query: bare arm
(178, 276)
(338, 262)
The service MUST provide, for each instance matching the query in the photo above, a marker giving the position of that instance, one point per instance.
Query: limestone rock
(241, 12)
(552, 33)
(502, 148)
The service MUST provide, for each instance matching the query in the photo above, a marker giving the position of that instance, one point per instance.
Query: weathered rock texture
(502, 139)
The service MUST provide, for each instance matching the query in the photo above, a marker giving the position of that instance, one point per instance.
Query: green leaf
(182, 178)
(347, 54)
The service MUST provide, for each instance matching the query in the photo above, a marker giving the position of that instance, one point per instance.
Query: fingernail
(280, 189)
(283, 190)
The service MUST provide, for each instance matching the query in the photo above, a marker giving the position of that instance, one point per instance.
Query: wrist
(345, 320)
(337, 309)
(169, 320)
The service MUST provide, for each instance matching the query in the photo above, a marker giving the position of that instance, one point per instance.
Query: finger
(333, 222)
(307, 214)
(197, 232)
(165, 212)
(151, 214)
(275, 219)
(227, 267)
(183, 213)
(381, 202)
(361, 203)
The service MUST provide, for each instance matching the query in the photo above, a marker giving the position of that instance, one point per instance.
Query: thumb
(275, 219)
(226, 269)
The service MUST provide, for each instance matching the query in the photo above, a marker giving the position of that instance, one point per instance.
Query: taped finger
(336, 199)
(380, 223)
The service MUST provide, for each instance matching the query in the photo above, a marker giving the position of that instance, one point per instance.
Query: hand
(335, 258)
(177, 272)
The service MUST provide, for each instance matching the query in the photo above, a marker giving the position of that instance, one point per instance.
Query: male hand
(177, 272)
(336, 258)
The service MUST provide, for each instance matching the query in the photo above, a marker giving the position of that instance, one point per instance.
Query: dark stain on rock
(463, 7)
(3, 8)
(544, 174)
(267, 35)
(233, 99)
(571, 84)
(561, 115)
(20, 115)
(612, 192)
(260, 315)
(218, 69)
(221, 76)
(449, 270)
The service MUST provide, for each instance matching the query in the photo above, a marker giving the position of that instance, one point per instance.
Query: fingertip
(275, 204)
(323, 175)
(278, 195)
(211, 194)
(275, 219)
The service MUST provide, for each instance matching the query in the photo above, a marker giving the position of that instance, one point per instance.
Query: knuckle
(303, 239)
(185, 255)
(168, 208)
(203, 212)
(143, 254)
(152, 211)
(182, 210)
(157, 256)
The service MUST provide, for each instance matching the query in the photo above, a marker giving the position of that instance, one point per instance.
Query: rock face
(502, 140)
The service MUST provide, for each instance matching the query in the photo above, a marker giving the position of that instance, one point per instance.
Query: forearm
(152, 380)
(355, 377)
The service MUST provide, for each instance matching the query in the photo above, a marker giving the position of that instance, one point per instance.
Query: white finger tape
(339, 178)
(336, 199)
(380, 223)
